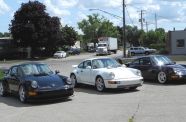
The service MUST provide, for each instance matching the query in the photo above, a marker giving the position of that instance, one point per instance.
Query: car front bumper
(123, 83)
(50, 94)
(177, 77)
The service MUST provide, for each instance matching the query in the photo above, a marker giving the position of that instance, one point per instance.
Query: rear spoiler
(74, 66)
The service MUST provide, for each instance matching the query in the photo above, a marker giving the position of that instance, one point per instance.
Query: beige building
(176, 43)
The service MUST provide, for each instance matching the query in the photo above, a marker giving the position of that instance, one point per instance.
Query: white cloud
(66, 3)
(3, 7)
(81, 16)
(55, 10)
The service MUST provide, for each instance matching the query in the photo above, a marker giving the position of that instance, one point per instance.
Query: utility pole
(141, 18)
(147, 26)
(124, 39)
(156, 23)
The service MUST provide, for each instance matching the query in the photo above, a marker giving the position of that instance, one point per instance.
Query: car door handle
(81, 70)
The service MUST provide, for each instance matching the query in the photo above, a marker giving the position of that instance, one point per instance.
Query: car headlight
(177, 71)
(34, 84)
(112, 75)
(138, 72)
(68, 81)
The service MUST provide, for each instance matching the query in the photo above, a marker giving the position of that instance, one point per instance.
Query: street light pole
(124, 39)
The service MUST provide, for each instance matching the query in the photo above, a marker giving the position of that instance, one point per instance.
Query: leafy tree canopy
(70, 36)
(32, 26)
(97, 26)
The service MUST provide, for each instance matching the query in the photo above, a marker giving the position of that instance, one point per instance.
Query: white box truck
(106, 45)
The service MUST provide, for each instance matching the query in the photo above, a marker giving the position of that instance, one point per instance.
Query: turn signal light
(113, 82)
(32, 93)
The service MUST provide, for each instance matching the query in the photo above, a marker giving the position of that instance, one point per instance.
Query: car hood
(121, 73)
(177, 66)
(46, 81)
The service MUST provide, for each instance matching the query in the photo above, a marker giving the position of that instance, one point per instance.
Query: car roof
(98, 58)
(148, 56)
(28, 63)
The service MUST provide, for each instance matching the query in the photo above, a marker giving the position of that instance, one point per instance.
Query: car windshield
(59, 52)
(105, 63)
(102, 45)
(162, 60)
(36, 69)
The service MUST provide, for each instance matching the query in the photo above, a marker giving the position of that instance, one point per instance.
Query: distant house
(176, 43)
(6, 47)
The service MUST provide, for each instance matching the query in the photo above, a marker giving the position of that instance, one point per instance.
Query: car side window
(14, 71)
(80, 65)
(87, 63)
(136, 62)
(145, 61)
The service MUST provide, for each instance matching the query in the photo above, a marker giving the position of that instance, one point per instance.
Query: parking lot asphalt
(150, 103)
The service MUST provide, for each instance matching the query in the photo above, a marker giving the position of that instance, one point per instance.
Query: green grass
(1, 74)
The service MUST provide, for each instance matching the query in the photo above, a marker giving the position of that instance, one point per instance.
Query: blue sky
(170, 13)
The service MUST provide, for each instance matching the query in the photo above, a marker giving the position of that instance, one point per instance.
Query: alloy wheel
(1, 89)
(74, 80)
(162, 78)
(100, 86)
(22, 94)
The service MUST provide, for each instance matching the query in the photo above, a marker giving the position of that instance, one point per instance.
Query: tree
(69, 37)
(32, 26)
(6, 34)
(95, 27)
(133, 35)
(1, 34)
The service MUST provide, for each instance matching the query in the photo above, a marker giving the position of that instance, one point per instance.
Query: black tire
(162, 77)
(99, 84)
(22, 94)
(3, 91)
(74, 80)
(147, 53)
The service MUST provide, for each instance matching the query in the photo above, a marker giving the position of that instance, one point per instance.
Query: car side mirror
(128, 64)
(6, 72)
(88, 67)
(57, 71)
(174, 62)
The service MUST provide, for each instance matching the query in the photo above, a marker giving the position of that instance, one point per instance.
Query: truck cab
(106, 45)
(102, 48)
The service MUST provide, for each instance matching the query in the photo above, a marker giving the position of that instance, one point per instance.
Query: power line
(116, 16)
(130, 17)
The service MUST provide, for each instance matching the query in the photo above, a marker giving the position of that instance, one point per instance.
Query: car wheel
(2, 90)
(100, 86)
(22, 94)
(73, 79)
(162, 77)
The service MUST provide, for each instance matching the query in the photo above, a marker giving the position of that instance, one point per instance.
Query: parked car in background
(160, 68)
(140, 50)
(74, 51)
(60, 54)
(31, 81)
(106, 73)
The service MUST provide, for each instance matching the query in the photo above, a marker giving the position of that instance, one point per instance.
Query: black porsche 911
(160, 68)
(35, 81)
